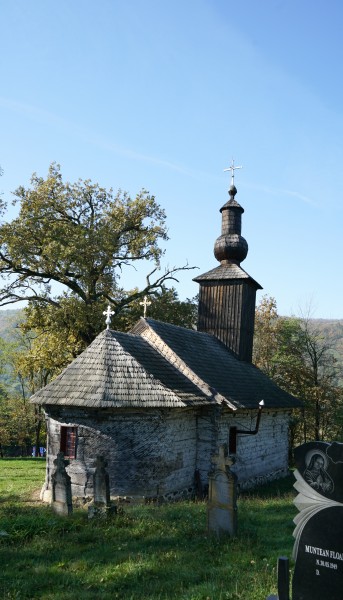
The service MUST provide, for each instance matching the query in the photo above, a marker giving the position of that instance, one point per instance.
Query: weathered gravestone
(222, 495)
(101, 489)
(101, 482)
(61, 487)
(318, 548)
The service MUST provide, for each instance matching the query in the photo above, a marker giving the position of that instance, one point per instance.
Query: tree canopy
(64, 254)
(77, 238)
(296, 355)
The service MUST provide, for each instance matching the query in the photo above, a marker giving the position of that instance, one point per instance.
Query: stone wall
(149, 453)
(264, 456)
(154, 453)
(259, 458)
(208, 438)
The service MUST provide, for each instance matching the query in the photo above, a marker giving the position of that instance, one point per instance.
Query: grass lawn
(146, 552)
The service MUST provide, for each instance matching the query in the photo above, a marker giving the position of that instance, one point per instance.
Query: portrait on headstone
(318, 547)
(315, 473)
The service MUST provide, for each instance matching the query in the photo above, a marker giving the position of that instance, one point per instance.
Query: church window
(68, 441)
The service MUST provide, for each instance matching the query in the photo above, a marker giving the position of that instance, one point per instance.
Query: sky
(162, 95)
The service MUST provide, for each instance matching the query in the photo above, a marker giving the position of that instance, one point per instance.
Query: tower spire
(227, 293)
(230, 246)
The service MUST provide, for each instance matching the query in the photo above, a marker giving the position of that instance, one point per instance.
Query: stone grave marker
(222, 501)
(61, 487)
(101, 482)
(318, 547)
(102, 506)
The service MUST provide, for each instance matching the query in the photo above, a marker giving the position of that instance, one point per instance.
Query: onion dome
(230, 246)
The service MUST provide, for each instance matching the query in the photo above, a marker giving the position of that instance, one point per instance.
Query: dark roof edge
(214, 275)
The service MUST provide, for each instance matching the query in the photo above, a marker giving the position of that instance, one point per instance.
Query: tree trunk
(304, 425)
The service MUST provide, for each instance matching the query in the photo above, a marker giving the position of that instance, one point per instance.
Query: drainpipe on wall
(234, 431)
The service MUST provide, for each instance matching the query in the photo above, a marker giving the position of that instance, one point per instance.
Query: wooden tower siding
(227, 311)
(227, 293)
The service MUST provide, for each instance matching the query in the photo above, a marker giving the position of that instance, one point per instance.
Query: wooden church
(157, 402)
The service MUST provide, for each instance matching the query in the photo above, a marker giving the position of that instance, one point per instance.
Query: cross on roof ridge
(108, 314)
(145, 303)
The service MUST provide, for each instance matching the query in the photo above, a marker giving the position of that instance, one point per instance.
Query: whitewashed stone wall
(259, 458)
(208, 430)
(264, 456)
(154, 453)
(150, 453)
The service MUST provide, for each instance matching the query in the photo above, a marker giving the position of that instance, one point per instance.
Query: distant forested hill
(332, 330)
(9, 320)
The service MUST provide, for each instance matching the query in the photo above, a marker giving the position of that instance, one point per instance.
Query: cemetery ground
(145, 552)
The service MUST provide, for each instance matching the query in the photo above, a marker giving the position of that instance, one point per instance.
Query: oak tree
(69, 246)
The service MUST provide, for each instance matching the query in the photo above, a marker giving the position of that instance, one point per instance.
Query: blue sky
(161, 95)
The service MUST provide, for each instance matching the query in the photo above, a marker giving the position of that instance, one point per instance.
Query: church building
(157, 402)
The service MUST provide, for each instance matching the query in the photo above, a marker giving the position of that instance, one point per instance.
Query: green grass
(146, 552)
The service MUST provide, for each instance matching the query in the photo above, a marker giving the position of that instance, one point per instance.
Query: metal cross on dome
(145, 304)
(108, 314)
(232, 169)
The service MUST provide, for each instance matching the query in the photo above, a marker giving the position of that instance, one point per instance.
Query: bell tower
(227, 294)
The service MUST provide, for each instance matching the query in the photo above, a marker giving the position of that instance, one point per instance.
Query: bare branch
(150, 288)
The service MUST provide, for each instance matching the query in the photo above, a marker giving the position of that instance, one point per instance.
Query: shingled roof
(120, 370)
(161, 365)
(226, 272)
(240, 382)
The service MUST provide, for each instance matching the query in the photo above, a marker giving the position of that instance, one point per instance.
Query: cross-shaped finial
(145, 304)
(108, 314)
(232, 169)
(222, 460)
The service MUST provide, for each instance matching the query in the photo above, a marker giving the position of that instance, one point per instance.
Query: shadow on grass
(150, 553)
(275, 489)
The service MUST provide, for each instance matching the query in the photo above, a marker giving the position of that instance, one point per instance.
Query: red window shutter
(71, 442)
(63, 442)
(68, 441)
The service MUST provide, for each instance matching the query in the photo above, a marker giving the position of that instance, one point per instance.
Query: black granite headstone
(282, 580)
(318, 548)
